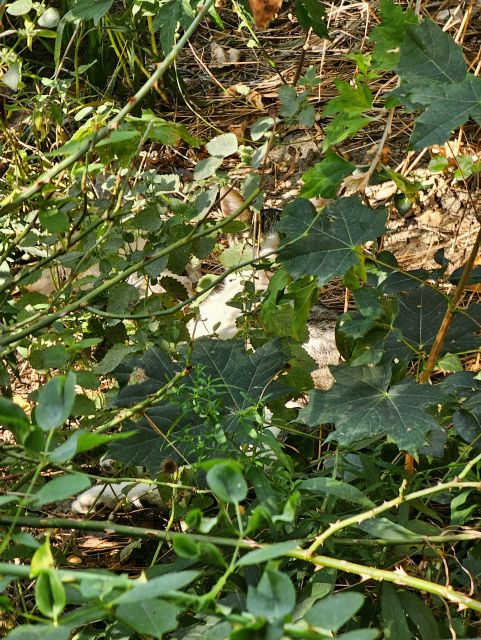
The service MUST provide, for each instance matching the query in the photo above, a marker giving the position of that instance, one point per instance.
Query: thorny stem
(372, 513)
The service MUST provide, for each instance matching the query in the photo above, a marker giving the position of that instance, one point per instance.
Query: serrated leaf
(167, 19)
(89, 10)
(113, 358)
(51, 358)
(223, 145)
(448, 107)
(429, 53)
(330, 248)
(421, 313)
(122, 298)
(389, 35)
(310, 14)
(241, 380)
(288, 96)
(350, 100)
(343, 126)
(361, 405)
(207, 167)
(326, 176)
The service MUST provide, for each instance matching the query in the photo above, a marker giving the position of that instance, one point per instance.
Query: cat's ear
(231, 201)
(263, 11)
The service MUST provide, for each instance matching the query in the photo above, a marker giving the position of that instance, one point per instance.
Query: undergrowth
(364, 522)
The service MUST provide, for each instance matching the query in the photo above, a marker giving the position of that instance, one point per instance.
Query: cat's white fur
(109, 495)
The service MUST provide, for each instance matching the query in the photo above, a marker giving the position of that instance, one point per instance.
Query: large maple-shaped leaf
(389, 34)
(421, 313)
(239, 380)
(448, 106)
(361, 405)
(430, 54)
(330, 248)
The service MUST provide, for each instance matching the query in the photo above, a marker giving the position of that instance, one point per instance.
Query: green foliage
(95, 298)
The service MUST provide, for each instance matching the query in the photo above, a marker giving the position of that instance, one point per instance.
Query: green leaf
(40, 632)
(19, 7)
(113, 358)
(42, 560)
(260, 127)
(55, 402)
(361, 406)
(333, 612)
(361, 634)
(88, 10)
(83, 440)
(227, 483)
(241, 381)
(15, 419)
(429, 53)
(330, 248)
(87, 380)
(421, 313)
(207, 167)
(350, 100)
(50, 594)
(419, 613)
(448, 107)
(410, 189)
(438, 164)
(326, 176)
(465, 168)
(157, 586)
(389, 35)
(394, 622)
(122, 298)
(151, 617)
(343, 126)
(186, 548)
(12, 76)
(449, 363)
(310, 13)
(273, 598)
(467, 424)
(222, 146)
(267, 553)
(167, 19)
(49, 18)
(384, 528)
(59, 489)
(51, 358)
(288, 96)
(336, 488)
(54, 220)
